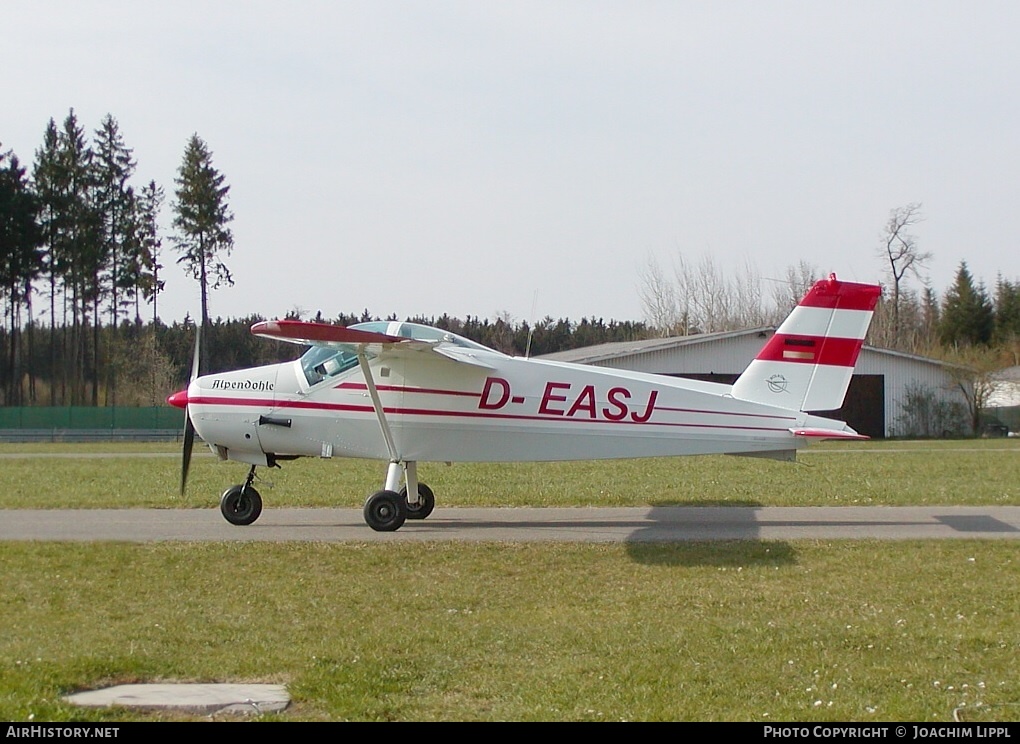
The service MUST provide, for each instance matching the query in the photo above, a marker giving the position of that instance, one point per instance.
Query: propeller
(181, 401)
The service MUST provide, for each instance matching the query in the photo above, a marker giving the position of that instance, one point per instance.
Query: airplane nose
(179, 399)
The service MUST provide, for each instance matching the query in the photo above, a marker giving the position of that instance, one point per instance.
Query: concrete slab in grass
(195, 697)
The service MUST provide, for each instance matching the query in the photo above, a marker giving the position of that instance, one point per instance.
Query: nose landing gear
(241, 504)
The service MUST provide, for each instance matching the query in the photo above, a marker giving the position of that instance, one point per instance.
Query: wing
(320, 334)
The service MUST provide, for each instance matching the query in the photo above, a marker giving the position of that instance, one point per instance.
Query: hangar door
(864, 407)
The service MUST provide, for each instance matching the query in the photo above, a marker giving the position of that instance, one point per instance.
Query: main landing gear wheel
(241, 505)
(385, 511)
(426, 502)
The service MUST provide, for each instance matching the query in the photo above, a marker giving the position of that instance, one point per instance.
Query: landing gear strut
(426, 502)
(241, 505)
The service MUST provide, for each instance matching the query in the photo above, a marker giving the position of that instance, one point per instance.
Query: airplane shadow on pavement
(701, 545)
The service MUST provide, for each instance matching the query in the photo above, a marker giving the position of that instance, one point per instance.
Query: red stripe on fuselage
(575, 420)
(833, 352)
(402, 389)
(463, 393)
(402, 411)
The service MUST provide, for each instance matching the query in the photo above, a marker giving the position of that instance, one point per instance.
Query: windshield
(320, 362)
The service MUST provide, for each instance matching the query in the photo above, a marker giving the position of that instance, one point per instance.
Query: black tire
(385, 511)
(240, 505)
(426, 502)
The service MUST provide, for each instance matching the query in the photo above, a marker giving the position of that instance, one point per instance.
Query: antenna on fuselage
(531, 328)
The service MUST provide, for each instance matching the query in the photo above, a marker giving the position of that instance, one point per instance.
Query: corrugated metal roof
(618, 349)
(1010, 374)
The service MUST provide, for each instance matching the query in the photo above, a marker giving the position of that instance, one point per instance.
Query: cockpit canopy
(322, 362)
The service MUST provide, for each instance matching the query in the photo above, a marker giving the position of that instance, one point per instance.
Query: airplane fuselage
(497, 408)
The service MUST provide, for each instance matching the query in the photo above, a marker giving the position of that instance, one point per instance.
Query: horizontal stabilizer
(789, 455)
(828, 434)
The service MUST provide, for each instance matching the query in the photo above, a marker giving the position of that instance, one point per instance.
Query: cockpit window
(320, 362)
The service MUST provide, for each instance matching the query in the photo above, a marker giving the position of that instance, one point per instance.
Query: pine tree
(114, 166)
(967, 315)
(52, 199)
(142, 267)
(1007, 311)
(20, 260)
(79, 252)
(201, 220)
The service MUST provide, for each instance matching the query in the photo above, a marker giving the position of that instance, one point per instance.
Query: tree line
(81, 261)
(79, 235)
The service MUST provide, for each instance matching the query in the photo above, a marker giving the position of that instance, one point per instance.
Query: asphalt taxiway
(631, 524)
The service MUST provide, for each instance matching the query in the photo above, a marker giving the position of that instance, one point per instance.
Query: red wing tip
(301, 331)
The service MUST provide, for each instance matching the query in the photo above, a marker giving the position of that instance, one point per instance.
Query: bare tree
(749, 308)
(973, 370)
(146, 371)
(788, 291)
(899, 248)
(711, 293)
(660, 301)
(701, 298)
(915, 317)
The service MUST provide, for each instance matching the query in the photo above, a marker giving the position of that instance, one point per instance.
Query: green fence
(158, 418)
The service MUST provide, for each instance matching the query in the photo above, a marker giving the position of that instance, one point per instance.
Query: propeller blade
(189, 428)
(195, 360)
(189, 443)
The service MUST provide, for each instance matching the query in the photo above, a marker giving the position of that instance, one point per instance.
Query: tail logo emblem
(777, 383)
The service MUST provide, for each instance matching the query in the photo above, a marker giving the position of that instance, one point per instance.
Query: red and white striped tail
(808, 363)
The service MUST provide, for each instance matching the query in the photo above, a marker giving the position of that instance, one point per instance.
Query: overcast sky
(481, 158)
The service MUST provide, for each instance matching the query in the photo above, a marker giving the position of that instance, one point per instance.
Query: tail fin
(808, 363)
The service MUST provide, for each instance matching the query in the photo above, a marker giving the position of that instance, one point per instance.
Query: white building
(877, 401)
(1004, 401)
(1005, 389)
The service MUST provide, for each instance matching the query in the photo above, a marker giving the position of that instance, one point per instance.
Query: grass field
(742, 631)
(893, 473)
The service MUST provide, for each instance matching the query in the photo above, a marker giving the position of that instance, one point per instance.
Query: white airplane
(407, 393)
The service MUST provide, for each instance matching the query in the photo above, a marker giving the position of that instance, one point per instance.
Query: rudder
(808, 363)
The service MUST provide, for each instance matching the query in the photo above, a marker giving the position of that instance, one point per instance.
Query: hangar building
(876, 403)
